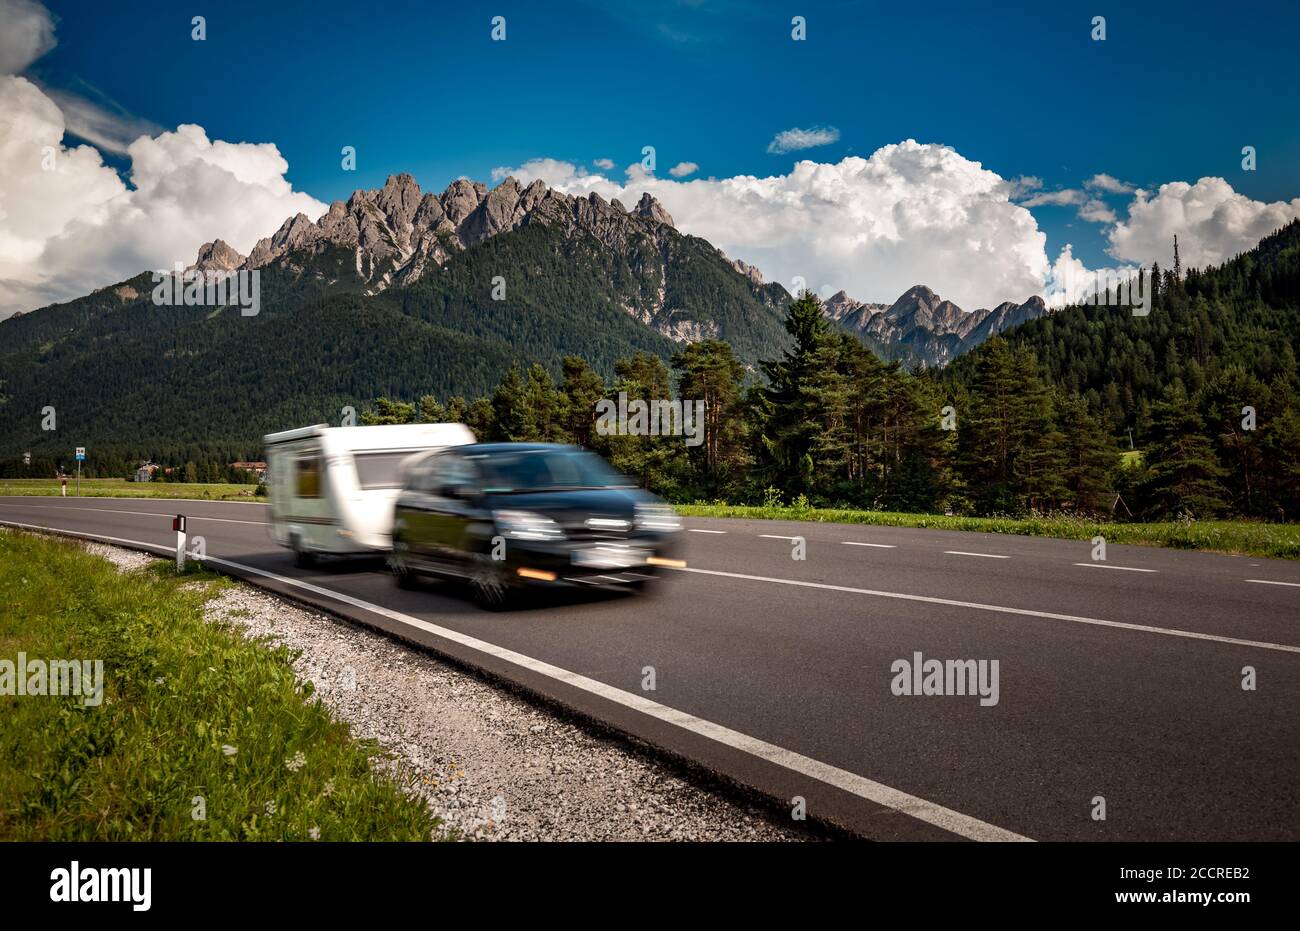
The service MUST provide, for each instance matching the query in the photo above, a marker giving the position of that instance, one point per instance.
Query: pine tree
(1039, 455)
(987, 432)
(708, 371)
(582, 388)
(1090, 456)
(1183, 473)
(387, 411)
(510, 417)
(791, 425)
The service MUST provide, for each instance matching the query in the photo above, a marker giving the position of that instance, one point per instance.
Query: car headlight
(659, 518)
(525, 525)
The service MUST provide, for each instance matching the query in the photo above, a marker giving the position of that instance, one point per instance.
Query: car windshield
(545, 469)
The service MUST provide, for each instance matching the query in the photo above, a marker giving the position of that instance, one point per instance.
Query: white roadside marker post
(178, 524)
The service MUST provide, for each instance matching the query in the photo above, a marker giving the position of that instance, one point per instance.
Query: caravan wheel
(303, 558)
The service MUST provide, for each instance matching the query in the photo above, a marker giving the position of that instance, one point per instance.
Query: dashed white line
(697, 530)
(1002, 609)
(879, 546)
(774, 536)
(1102, 565)
(1271, 582)
(985, 555)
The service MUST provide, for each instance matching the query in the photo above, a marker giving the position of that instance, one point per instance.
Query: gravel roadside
(488, 762)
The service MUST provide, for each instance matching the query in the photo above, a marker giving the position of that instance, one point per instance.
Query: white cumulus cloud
(1109, 184)
(1096, 211)
(910, 214)
(26, 33)
(1213, 223)
(682, 169)
(79, 226)
(1072, 282)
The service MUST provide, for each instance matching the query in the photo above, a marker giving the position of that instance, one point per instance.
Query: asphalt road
(1120, 680)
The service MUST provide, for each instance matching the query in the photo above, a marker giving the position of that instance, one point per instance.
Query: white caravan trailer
(332, 489)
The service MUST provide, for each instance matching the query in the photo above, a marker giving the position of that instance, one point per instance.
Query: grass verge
(1247, 538)
(194, 718)
(120, 488)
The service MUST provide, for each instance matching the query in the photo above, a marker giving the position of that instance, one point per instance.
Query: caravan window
(307, 477)
(379, 470)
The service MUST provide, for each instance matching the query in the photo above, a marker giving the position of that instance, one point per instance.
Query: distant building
(257, 468)
(145, 472)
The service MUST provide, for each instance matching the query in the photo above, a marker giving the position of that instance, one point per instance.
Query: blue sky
(1174, 92)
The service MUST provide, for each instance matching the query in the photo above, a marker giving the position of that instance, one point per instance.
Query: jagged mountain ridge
(923, 327)
(399, 235)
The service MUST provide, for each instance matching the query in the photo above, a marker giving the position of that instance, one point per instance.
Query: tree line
(830, 423)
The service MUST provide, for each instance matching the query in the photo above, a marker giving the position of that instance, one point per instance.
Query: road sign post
(178, 524)
(81, 457)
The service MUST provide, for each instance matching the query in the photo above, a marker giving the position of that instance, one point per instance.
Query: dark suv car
(503, 516)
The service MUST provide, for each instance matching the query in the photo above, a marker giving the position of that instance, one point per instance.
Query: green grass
(177, 691)
(120, 488)
(1248, 538)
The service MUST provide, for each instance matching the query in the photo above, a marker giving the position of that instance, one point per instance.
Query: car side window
(427, 480)
(452, 471)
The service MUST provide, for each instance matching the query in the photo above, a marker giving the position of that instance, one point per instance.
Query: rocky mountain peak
(399, 198)
(749, 271)
(651, 209)
(217, 256)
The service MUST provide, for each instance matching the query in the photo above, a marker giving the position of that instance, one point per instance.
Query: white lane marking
(774, 536)
(1102, 565)
(929, 599)
(165, 516)
(696, 530)
(879, 546)
(5, 499)
(985, 555)
(868, 789)
(1271, 582)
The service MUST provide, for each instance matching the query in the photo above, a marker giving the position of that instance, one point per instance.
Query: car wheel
(402, 574)
(489, 583)
(404, 577)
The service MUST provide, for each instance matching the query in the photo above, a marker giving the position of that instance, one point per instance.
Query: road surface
(1120, 680)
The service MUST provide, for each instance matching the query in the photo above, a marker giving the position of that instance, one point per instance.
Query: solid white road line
(5, 499)
(879, 546)
(695, 530)
(911, 805)
(1102, 565)
(928, 599)
(163, 516)
(985, 555)
(1271, 582)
